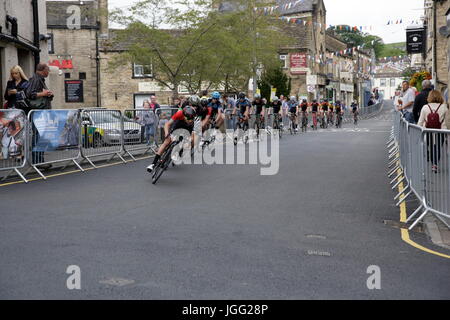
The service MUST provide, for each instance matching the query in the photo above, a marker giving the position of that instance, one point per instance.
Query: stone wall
(118, 87)
(80, 47)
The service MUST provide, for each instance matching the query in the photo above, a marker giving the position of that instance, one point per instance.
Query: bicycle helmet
(215, 95)
(204, 102)
(305, 101)
(276, 99)
(189, 113)
(194, 100)
(293, 98)
(257, 96)
(242, 95)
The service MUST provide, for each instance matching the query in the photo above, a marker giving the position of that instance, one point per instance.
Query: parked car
(104, 129)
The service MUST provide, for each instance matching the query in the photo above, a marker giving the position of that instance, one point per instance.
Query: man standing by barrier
(39, 97)
(421, 99)
(406, 102)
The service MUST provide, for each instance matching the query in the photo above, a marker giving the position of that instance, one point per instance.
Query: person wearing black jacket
(17, 83)
(421, 99)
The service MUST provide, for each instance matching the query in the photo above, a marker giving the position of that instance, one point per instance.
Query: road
(221, 232)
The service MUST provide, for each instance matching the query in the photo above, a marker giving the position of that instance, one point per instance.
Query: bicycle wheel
(163, 164)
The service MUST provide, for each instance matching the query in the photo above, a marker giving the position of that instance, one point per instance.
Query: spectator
(39, 97)
(177, 103)
(148, 120)
(421, 99)
(37, 92)
(371, 101)
(434, 140)
(17, 83)
(406, 102)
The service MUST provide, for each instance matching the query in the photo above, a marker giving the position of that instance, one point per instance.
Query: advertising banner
(56, 130)
(12, 134)
(299, 63)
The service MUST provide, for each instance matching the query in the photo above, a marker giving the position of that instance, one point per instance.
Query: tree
(354, 38)
(204, 47)
(274, 78)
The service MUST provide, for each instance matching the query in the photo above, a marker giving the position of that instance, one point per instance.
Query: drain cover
(118, 282)
(319, 253)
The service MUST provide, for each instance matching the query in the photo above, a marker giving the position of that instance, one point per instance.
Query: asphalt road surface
(221, 232)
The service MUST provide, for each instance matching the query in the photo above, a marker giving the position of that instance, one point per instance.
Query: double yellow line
(405, 232)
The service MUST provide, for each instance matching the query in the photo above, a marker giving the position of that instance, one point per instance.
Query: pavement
(224, 231)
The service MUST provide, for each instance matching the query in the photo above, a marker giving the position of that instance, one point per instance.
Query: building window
(382, 82)
(50, 44)
(67, 75)
(393, 83)
(142, 71)
(284, 60)
(82, 76)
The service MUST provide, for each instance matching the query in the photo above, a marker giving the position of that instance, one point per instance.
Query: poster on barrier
(12, 134)
(56, 130)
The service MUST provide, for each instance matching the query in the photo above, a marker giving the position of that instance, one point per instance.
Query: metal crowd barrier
(103, 134)
(420, 158)
(55, 137)
(140, 131)
(14, 133)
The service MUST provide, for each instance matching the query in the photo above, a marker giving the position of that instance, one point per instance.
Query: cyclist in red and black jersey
(314, 111)
(183, 119)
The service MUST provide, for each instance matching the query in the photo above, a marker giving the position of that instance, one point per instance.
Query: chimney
(103, 18)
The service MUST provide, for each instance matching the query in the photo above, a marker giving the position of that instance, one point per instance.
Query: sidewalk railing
(419, 158)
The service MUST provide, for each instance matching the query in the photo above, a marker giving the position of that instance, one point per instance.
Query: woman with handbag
(15, 87)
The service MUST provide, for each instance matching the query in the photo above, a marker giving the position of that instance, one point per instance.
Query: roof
(286, 7)
(58, 13)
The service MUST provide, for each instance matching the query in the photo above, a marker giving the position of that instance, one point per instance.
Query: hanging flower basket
(418, 77)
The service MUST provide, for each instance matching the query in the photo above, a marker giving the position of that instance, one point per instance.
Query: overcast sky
(362, 13)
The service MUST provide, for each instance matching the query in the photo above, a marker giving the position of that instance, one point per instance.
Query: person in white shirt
(406, 102)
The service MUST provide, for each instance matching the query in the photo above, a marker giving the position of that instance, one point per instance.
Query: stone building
(436, 56)
(305, 57)
(22, 37)
(75, 50)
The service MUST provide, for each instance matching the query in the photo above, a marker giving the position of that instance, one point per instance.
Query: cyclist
(325, 108)
(331, 113)
(243, 105)
(355, 112)
(217, 109)
(339, 112)
(276, 109)
(258, 107)
(293, 112)
(304, 109)
(314, 111)
(183, 119)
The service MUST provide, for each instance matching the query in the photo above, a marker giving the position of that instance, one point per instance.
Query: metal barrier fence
(14, 133)
(103, 134)
(141, 126)
(55, 137)
(420, 158)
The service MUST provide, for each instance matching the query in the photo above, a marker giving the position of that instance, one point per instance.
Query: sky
(366, 13)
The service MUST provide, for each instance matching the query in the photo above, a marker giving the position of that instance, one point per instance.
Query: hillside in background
(393, 49)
